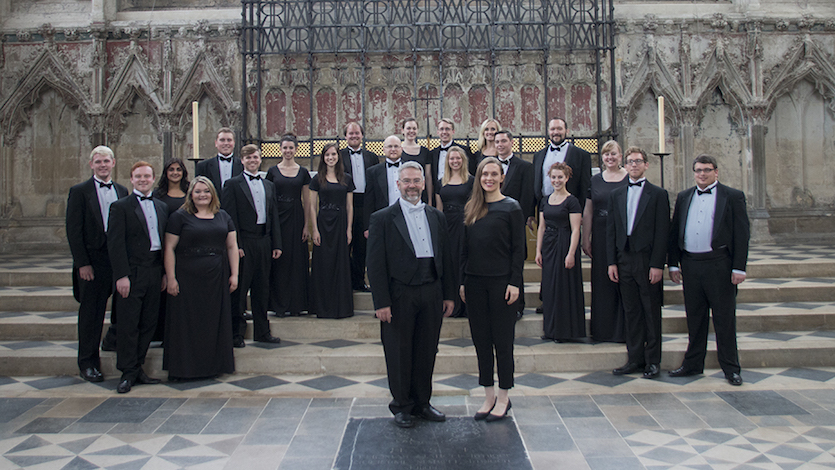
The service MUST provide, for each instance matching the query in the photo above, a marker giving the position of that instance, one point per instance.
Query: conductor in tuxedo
(437, 157)
(519, 185)
(560, 150)
(637, 231)
(410, 266)
(356, 161)
(135, 233)
(88, 207)
(224, 165)
(381, 188)
(708, 252)
(250, 201)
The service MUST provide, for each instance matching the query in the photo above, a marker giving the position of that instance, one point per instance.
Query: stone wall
(750, 81)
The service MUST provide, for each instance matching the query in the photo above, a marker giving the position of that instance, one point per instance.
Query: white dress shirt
(225, 169)
(442, 160)
(151, 221)
(256, 187)
(392, 173)
(698, 228)
(357, 170)
(106, 197)
(418, 225)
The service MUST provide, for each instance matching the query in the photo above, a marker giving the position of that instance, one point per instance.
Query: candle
(195, 130)
(661, 140)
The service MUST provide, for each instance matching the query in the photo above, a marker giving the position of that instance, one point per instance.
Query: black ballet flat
(479, 416)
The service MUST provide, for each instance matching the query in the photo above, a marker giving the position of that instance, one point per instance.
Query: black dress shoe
(108, 345)
(403, 420)
(238, 342)
(491, 417)
(519, 315)
(683, 372)
(482, 415)
(143, 379)
(247, 315)
(628, 368)
(539, 309)
(91, 374)
(429, 413)
(124, 386)
(651, 371)
(269, 339)
(734, 379)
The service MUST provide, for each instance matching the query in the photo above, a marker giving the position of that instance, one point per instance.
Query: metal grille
(311, 26)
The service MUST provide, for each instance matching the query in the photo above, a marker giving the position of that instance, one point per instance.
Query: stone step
(456, 356)
(806, 289)
(751, 317)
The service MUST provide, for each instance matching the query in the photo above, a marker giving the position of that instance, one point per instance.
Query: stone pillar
(758, 195)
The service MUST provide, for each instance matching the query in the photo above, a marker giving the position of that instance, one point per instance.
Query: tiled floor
(780, 419)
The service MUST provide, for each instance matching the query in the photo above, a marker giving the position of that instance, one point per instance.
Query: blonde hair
(481, 140)
(476, 207)
(189, 206)
(102, 150)
(462, 172)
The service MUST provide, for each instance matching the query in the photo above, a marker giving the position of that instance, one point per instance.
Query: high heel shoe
(480, 416)
(491, 417)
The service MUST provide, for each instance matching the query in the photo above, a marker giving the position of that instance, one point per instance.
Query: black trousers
(707, 286)
(137, 319)
(92, 296)
(357, 248)
(253, 277)
(642, 308)
(492, 326)
(410, 343)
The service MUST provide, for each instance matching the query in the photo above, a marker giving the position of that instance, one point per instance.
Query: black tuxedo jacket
(210, 168)
(376, 191)
(85, 226)
(237, 201)
(650, 231)
(730, 225)
(578, 185)
(391, 255)
(369, 159)
(519, 184)
(128, 241)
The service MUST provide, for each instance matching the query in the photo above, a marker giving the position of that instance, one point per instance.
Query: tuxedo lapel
(511, 169)
(643, 201)
(140, 214)
(162, 214)
(248, 193)
(432, 220)
(93, 201)
(400, 223)
(719, 211)
(685, 209)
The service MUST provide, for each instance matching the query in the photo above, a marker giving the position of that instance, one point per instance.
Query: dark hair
(707, 160)
(563, 167)
(322, 171)
(354, 123)
(408, 119)
(289, 137)
(635, 149)
(564, 122)
(505, 132)
(162, 184)
(248, 150)
(224, 130)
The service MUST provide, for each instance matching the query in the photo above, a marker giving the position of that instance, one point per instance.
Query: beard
(412, 198)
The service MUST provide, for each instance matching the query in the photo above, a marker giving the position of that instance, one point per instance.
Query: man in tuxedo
(88, 207)
(136, 229)
(560, 150)
(410, 267)
(381, 188)
(708, 251)
(636, 243)
(224, 165)
(250, 202)
(356, 161)
(437, 160)
(518, 184)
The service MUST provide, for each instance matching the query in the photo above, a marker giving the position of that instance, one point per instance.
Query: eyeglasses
(635, 162)
(703, 170)
(411, 181)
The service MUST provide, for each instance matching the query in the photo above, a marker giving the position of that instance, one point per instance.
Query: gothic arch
(131, 82)
(204, 78)
(720, 72)
(806, 62)
(652, 74)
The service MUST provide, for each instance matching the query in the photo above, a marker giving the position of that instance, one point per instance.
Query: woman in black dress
(455, 189)
(492, 260)
(331, 190)
(289, 274)
(607, 320)
(201, 265)
(486, 145)
(557, 240)
(414, 152)
(171, 189)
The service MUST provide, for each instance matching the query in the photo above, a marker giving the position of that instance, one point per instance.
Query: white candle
(661, 140)
(195, 130)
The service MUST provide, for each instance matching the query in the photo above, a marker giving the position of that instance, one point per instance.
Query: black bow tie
(144, 198)
(395, 164)
(105, 185)
(444, 149)
(358, 152)
(225, 159)
(639, 183)
(256, 177)
(706, 191)
(556, 148)
(504, 162)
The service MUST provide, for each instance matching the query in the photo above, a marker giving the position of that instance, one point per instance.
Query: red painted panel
(301, 111)
(402, 106)
(531, 111)
(556, 103)
(351, 105)
(276, 108)
(505, 106)
(432, 107)
(325, 112)
(581, 107)
(376, 113)
(479, 107)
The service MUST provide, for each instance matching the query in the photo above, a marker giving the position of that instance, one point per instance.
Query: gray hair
(414, 165)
